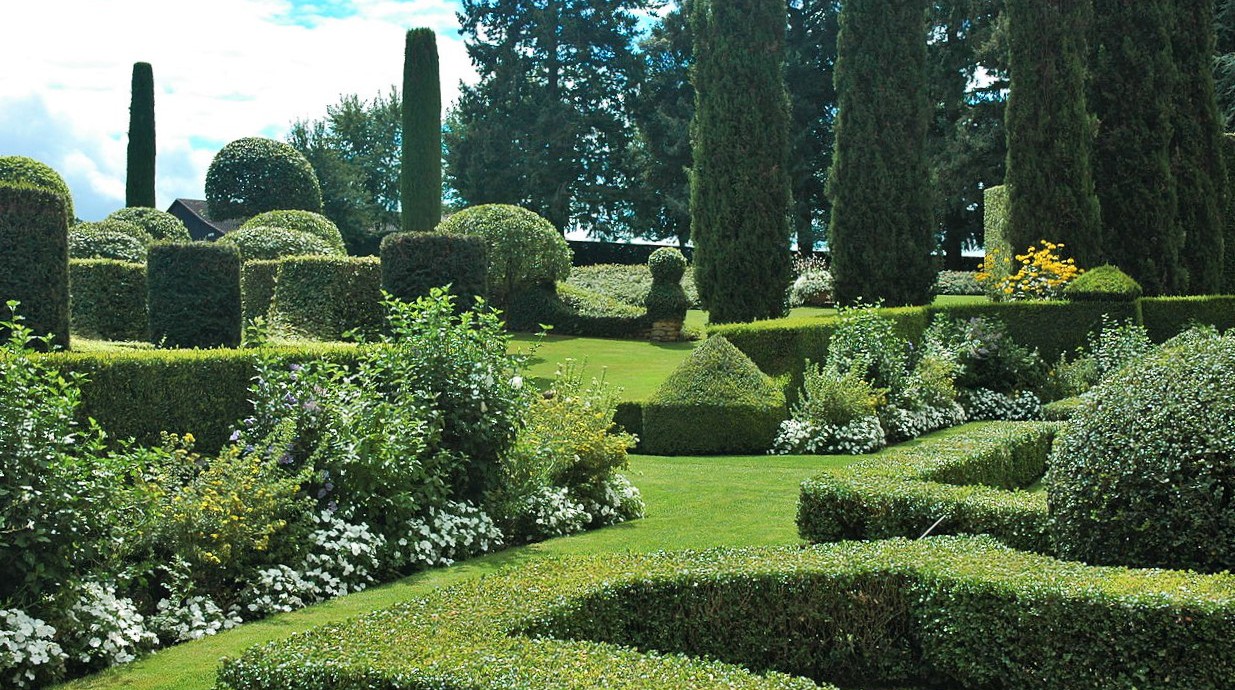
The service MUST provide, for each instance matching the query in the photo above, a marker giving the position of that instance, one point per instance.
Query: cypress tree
(1132, 80)
(1050, 134)
(420, 181)
(1196, 148)
(739, 201)
(139, 183)
(881, 229)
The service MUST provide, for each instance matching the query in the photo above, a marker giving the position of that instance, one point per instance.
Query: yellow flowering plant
(1040, 273)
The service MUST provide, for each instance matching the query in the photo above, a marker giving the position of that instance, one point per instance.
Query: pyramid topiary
(1104, 284)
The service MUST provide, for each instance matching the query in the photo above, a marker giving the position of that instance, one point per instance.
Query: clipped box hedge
(324, 297)
(34, 251)
(1166, 317)
(963, 476)
(193, 294)
(414, 263)
(946, 612)
(107, 299)
(257, 288)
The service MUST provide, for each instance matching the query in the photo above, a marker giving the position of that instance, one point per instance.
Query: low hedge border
(963, 477)
(948, 611)
(1166, 317)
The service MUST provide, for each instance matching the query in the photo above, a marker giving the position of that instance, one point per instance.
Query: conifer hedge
(193, 297)
(420, 181)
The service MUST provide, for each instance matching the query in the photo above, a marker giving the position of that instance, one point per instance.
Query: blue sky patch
(309, 13)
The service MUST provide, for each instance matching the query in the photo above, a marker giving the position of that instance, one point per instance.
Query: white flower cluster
(902, 424)
(862, 435)
(981, 403)
(190, 618)
(618, 501)
(342, 558)
(26, 647)
(554, 513)
(454, 531)
(107, 630)
(278, 590)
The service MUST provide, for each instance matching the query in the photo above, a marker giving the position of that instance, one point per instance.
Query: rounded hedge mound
(301, 221)
(524, 249)
(1144, 475)
(261, 242)
(667, 265)
(254, 175)
(23, 170)
(160, 225)
(107, 241)
(1104, 284)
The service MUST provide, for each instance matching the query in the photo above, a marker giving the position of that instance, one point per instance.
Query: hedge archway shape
(253, 175)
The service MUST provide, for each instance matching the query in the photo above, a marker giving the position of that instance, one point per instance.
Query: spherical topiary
(23, 170)
(160, 225)
(253, 175)
(261, 242)
(301, 221)
(667, 265)
(524, 249)
(1103, 284)
(1144, 475)
(99, 241)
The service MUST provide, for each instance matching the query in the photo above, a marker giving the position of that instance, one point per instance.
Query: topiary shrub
(324, 297)
(301, 221)
(27, 171)
(414, 263)
(193, 297)
(1103, 284)
(717, 402)
(1144, 474)
(107, 299)
(34, 258)
(572, 310)
(102, 241)
(257, 288)
(262, 242)
(524, 249)
(254, 175)
(159, 225)
(667, 300)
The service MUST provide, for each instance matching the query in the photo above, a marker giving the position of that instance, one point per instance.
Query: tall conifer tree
(881, 229)
(139, 182)
(420, 177)
(740, 183)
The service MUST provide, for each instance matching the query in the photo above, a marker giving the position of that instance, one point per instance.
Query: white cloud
(223, 70)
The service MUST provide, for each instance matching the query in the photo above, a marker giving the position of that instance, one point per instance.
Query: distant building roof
(201, 228)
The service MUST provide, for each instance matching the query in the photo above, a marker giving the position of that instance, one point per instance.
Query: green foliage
(325, 297)
(414, 263)
(34, 252)
(1166, 317)
(20, 170)
(997, 238)
(881, 235)
(420, 176)
(986, 354)
(957, 283)
(104, 241)
(626, 283)
(1228, 194)
(107, 299)
(667, 300)
(574, 311)
(1062, 410)
(524, 250)
(257, 289)
(194, 295)
(834, 397)
(159, 225)
(1142, 475)
(716, 402)
(264, 242)
(1051, 328)
(139, 181)
(307, 222)
(739, 197)
(253, 175)
(866, 342)
(1103, 284)
(667, 265)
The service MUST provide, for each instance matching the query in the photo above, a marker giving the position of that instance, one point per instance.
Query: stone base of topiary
(666, 331)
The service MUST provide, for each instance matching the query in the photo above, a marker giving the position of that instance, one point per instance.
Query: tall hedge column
(420, 181)
(34, 259)
(1049, 178)
(740, 185)
(139, 184)
(881, 235)
(193, 297)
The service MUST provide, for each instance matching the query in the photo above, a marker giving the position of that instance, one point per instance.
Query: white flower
(516, 382)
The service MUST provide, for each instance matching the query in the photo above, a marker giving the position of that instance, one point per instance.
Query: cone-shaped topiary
(1103, 284)
(717, 402)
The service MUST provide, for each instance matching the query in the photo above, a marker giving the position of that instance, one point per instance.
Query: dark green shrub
(253, 175)
(34, 255)
(307, 222)
(323, 297)
(123, 227)
(1143, 475)
(666, 300)
(1103, 284)
(524, 250)
(1166, 317)
(194, 295)
(107, 299)
(574, 311)
(416, 262)
(261, 242)
(717, 402)
(257, 288)
(159, 225)
(987, 355)
(420, 176)
(628, 417)
(21, 170)
(139, 181)
(1228, 192)
(102, 241)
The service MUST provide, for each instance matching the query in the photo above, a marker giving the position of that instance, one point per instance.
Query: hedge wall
(34, 258)
(194, 294)
(323, 297)
(588, 253)
(963, 475)
(414, 263)
(945, 612)
(107, 299)
(257, 288)
(1052, 327)
(1166, 317)
(574, 311)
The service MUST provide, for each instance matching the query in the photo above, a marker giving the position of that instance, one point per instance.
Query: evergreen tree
(881, 231)
(1050, 140)
(139, 182)
(420, 179)
(1196, 154)
(740, 185)
(1224, 60)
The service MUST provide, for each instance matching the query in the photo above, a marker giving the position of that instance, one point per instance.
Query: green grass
(637, 367)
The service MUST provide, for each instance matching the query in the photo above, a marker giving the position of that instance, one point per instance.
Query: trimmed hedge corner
(415, 263)
(324, 297)
(34, 257)
(107, 299)
(193, 295)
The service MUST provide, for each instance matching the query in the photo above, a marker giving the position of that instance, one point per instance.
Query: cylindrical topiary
(160, 225)
(1103, 284)
(1144, 474)
(524, 250)
(139, 183)
(314, 224)
(261, 242)
(253, 175)
(420, 175)
(666, 300)
(193, 297)
(34, 258)
(413, 263)
(99, 241)
(107, 299)
(325, 297)
(23, 170)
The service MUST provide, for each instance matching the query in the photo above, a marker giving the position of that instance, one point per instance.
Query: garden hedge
(307, 222)
(963, 476)
(107, 299)
(160, 225)
(572, 310)
(323, 297)
(27, 172)
(194, 294)
(34, 258)
(948, 611)
(257, 288)
(1166, 317)
(414, 263)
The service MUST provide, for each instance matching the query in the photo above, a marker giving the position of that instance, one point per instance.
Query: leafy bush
(253, 175)
(925, 401)
(1104, 283)
(835, 413)
(415, 263)
(108, 299)
(958, 283)
(1143, 474)
(625, 283)
(866, 342)
(193, 297)
(307, 222)
(987, 356)
(99, 241)
(34, 264)
(524, 250)
(23, 171)
(261, 242)
(159, 225)
(328, 297)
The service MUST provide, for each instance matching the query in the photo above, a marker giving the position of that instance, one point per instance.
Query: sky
(223, 69)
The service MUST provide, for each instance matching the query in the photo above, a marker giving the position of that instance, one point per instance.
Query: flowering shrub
(450, 533)
(103, 629)
(611, 501)
(926, 401)
(1041, 273)
(549, 512)
(29, 654)
(986, 356)
(867, 342)
(983, 403)
(190, 618)
(812, 289)
(862, 435)
(836, 414)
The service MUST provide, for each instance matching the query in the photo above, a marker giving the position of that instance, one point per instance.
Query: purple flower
(285, 459)
(295, 367)
(235, 436)
(248, 449)
(250, 422)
